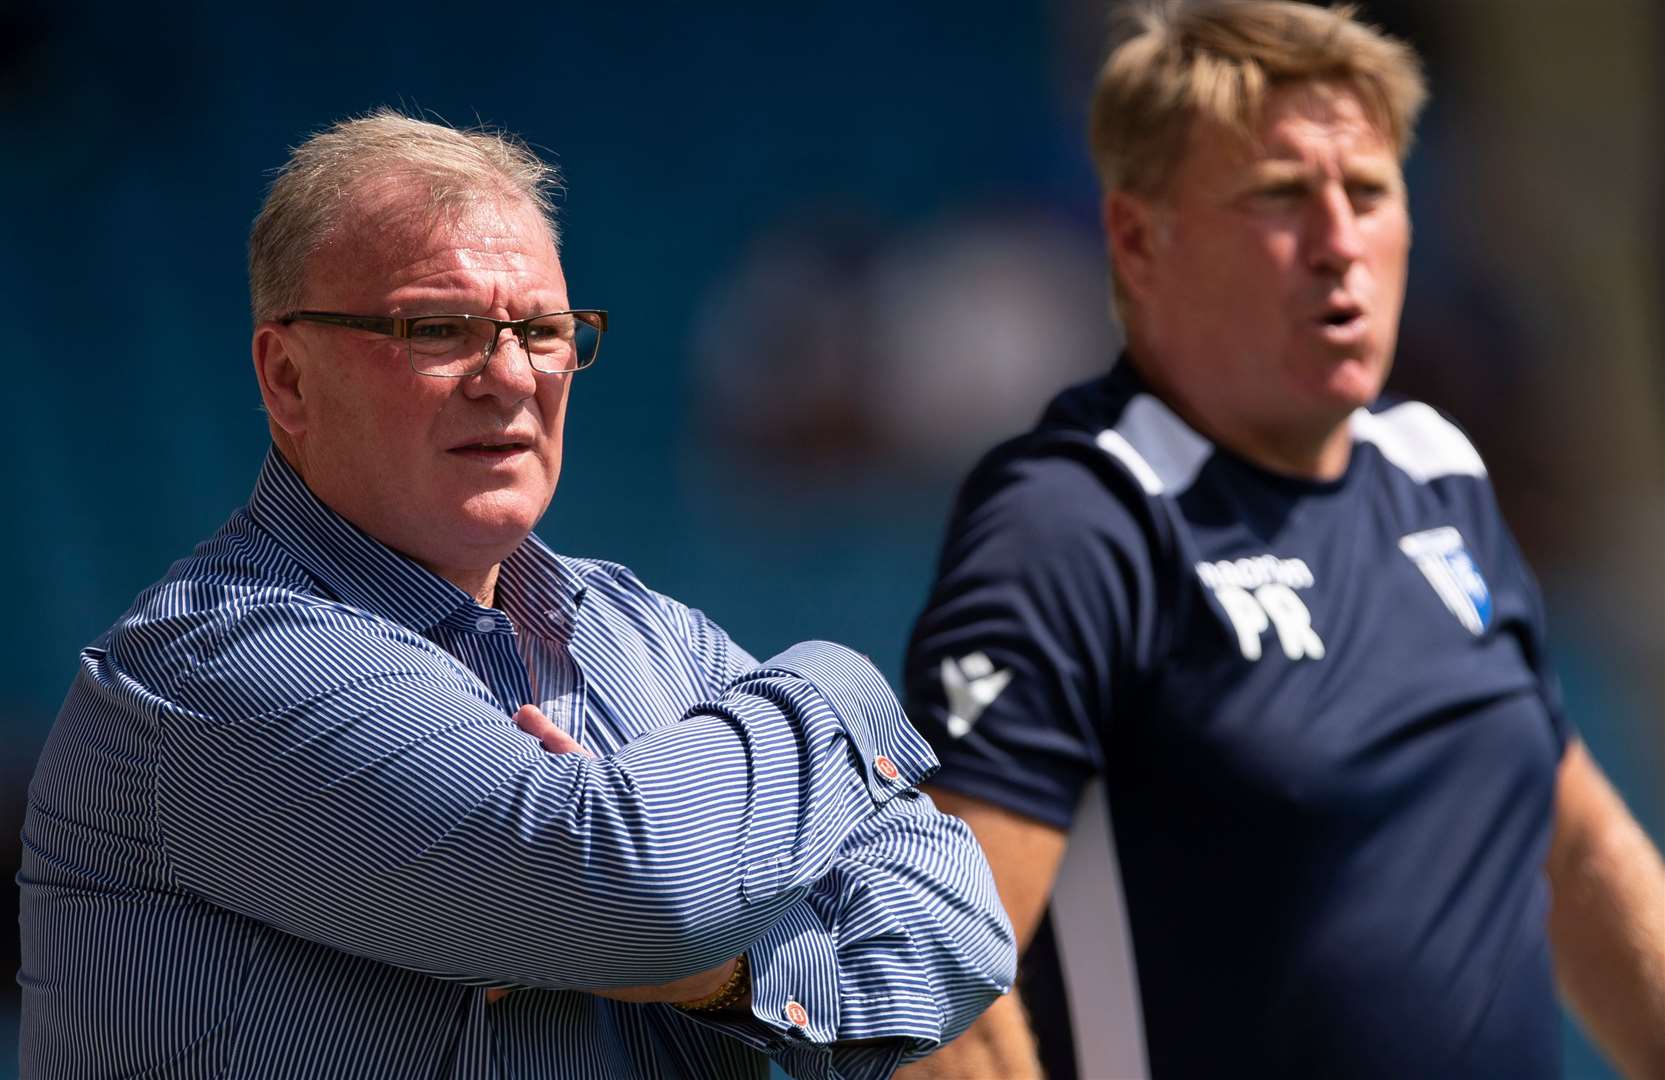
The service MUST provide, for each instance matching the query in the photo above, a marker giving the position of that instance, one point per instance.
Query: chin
(499, 518)
(1354, 383)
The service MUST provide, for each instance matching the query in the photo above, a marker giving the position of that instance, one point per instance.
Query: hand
(531, 720)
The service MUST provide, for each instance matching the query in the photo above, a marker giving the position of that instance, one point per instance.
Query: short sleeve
(1533, 623)
(1041, 601)
(1517, 599)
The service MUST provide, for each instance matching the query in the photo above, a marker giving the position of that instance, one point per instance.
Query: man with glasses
(375, 784)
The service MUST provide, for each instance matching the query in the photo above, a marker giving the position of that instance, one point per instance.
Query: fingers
(531, 720)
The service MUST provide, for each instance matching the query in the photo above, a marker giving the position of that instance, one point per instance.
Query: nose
(508, 373)
(1334, 240)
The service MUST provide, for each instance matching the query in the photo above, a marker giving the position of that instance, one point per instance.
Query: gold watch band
(725, 995)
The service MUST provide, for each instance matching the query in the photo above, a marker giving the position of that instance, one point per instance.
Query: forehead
(1301, 122)
(399, 242)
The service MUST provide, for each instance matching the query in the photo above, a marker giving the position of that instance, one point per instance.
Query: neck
(480, 584)
(1319, 453)
(1322, 458)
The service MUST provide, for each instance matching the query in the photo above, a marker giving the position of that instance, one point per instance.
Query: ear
(1132, 232)
(279, 374)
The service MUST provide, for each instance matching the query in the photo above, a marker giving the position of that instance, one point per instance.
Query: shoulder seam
(1417, 440)
(1161, 451)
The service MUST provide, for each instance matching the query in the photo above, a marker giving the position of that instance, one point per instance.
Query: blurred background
(846, 246)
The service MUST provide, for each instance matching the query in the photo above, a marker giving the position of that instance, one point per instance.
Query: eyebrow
(1283, 170)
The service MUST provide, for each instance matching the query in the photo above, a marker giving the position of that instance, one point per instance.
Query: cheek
(380, 419)
(552, 407)
(1242, 268)
(1390, 247)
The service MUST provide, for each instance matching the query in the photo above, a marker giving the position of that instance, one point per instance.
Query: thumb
(531, 720)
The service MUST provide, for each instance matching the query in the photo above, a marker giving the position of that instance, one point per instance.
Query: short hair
(315, 190)
(1215, 60)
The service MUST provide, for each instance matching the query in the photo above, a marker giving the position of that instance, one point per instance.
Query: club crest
(1446, 563)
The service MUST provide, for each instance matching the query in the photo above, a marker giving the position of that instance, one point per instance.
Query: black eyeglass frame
(399, 327)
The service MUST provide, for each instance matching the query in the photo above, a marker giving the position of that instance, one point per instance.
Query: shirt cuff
(892, 755)
(795, 1011)
(795, 977)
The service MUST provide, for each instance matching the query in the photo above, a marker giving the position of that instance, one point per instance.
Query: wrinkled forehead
(390, 228)
(403, 218)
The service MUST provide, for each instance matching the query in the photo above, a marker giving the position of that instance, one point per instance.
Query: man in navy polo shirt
(1274, 630)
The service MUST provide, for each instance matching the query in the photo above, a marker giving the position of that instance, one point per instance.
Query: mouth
(1342, 323)
(496, 448)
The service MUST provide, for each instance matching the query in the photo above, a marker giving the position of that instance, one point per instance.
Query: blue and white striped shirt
(284, 826)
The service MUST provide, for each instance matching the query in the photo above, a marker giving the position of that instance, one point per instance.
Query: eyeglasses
(457, 346)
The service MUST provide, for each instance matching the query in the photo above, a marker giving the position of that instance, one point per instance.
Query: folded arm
(400, 815)
(1025, 855)
(893, 952)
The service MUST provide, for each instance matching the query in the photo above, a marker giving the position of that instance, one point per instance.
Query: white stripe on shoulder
(1417, 439)
(1156, 446)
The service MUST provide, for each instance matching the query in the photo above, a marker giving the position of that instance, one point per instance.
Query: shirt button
(796, 1014)
(886, 767)
(485, 624)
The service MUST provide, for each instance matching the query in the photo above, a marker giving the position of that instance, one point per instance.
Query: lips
(1339, 312)
(1341, 322)
(496, 442)
(495, 447)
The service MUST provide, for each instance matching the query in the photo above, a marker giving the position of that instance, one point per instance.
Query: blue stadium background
(805, 204)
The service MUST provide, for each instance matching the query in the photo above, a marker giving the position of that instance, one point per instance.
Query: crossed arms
(396, 812)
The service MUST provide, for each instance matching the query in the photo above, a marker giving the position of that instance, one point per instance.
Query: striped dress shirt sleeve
(285, 826)
(903, 941)
(392, 773)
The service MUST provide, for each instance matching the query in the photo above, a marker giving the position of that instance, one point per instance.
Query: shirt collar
(540, 590)
(360, 570)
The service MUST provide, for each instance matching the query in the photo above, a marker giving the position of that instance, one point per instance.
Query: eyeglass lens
(461, 345)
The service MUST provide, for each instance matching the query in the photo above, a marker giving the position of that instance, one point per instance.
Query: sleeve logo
(1258, 594)
(1446, 563)
(971, 684)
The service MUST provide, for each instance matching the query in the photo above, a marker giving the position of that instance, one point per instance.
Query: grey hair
(326, 178)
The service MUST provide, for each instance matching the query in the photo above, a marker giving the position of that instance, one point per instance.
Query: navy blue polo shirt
(1317, 717)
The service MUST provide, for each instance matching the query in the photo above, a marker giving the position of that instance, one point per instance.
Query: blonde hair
(1215, 60)
(326, 179)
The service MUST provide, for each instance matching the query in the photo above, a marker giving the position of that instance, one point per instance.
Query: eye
(436, 329)
(1367, 193)
(550, 332)
(448, 336)
(1278, 194)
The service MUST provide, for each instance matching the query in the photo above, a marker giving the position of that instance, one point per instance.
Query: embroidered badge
(1446, 563)
(971, 684)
